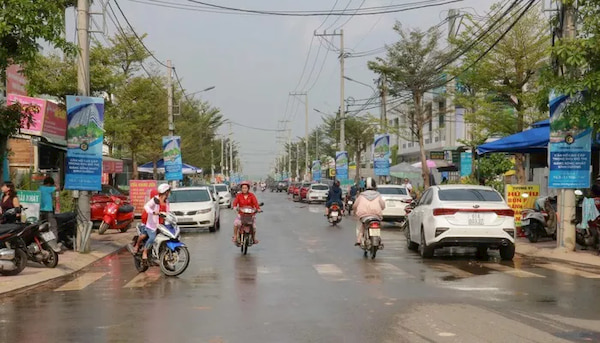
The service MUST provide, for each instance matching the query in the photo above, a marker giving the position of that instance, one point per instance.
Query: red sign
(35, 106)
(15, 81)
(112, 167)
(139, 193)
(55, 122)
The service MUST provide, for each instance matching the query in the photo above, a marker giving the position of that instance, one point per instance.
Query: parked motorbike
(168, 252)
(247, 217)
(335, 214)
(371, 241)
(537, 223)
(41, 244)
(117, 216)
(590, 236)
(67, 228)
(13, 255)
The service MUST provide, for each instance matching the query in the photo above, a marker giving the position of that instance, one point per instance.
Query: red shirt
(241, 201)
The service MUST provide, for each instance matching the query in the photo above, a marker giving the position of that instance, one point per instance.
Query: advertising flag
(172, 157)
(381, 155)
(341, 165)
(316, 170)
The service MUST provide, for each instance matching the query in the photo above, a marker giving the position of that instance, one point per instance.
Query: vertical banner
(30, 200)
(139, 193)
(172, 157)
(341, 165)
(516, 201)
(85, 135)
(381, 155)
(316, 170)
(466, 164)
(570, 146)
(35, 106)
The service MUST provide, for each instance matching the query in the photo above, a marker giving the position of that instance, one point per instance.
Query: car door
(416, 216)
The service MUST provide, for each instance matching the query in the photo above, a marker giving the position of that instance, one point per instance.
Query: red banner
(139, 193)
(15, 81)
(112, 167)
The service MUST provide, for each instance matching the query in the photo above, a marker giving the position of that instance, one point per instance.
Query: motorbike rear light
(375, 225)
(118, 201)
(440, 230)
(511, 232)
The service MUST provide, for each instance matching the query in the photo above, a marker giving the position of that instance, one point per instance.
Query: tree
(411, 66)
(500, 91)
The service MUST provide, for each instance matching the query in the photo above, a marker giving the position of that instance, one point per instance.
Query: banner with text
(341, 165)
(316, 170)
(85, 135)
(172, 157)
(139, 193)
(466, 164)
(570, 145)
(30, 200)
(516, 200)
(381, 155)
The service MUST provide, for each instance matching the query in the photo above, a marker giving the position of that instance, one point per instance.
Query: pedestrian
(10, 200)
(361, 184)
(408, 186)
(47, 203)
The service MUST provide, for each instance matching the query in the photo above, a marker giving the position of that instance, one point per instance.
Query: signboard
(35, 106)
(436, 155)
(172, 157)
(85, 134)
(331, 172)
(516, 201)
(381, 155)
(316, 170)
(341, 164)
(15, 81)
(139, 193)
(466, 164)
(55, 123)
(112, 167)
(30, 200)
(570, 146)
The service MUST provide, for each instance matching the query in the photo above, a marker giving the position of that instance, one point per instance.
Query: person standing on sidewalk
(10, 200)
(47, 204)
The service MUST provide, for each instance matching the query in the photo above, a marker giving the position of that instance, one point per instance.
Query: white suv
(461, 215)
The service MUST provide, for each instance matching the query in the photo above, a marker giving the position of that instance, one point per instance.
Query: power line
(255, 128)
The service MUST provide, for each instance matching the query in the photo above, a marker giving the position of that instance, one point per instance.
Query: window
(469, 195)
(425, 198)
(392, 190)
(190, 195)
(320, 187)
(221, 188)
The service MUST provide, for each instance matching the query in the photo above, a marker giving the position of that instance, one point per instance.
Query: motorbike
(535, 222)
(13, 257)
(349, 202)
(371, 241)
(117, 216)
(263, 188)
(168, 252)
(247, 216)
(335, 214)
(590, 236)
(67, 228)
(40, 244)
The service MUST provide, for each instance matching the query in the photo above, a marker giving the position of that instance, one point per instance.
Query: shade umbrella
(432, 164)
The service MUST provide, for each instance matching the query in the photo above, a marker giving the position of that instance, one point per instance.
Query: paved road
(305, 282)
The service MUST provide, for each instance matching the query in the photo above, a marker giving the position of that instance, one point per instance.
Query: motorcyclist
(153, 207)
(244, 199)
(368, 204)
(334, 196)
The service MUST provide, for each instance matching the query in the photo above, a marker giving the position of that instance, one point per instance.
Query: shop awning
(530, 141)
(111, 165)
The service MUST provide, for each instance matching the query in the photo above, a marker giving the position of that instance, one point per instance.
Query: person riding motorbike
(244, 199)
(334, 196)
(152, 209)
(368, 204)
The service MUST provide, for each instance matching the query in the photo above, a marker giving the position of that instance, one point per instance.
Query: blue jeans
(151, 237)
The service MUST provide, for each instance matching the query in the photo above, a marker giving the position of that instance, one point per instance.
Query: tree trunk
(155, 169)
(520, 169)
(474, 161)
(3, 149)
(358, 155)
(135, 174)
(418, 124)
(424, 167)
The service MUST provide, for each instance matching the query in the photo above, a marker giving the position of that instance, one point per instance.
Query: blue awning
(529, 141)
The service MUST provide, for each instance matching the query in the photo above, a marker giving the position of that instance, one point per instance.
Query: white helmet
(370, 184)
(164, 188)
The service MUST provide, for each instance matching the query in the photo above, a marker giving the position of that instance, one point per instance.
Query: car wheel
(534, 232)
(424, 250)
(410, 244)
(507, 252)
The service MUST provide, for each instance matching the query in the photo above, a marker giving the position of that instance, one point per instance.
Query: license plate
(334, 214)
(375, 232)
(185, 219)
(475, 219)
(48, 236)
(391, 204)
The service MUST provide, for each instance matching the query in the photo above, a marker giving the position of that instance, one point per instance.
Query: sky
(254, 62)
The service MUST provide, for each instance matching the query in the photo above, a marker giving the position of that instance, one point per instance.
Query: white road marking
(80, 282)
(143, 279)
(330, 272)
(568, 270)
(512, 271)
(452, 270)
(389, 269)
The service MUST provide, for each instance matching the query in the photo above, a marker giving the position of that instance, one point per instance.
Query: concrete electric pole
(306, 129)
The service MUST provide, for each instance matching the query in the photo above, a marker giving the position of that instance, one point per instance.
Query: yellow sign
(331, 172)
(516, 201)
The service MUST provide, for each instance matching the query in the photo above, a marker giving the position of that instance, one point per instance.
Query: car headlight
(206, 210)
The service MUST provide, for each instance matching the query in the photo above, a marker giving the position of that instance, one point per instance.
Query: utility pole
(231, 169)
(289, 164)
(317, 144)
(342, 109)
(212, 166)
(170, 107)
(306, 127)
(566, 239)
(297, 159)
(221, 164)
(384, 121)
(84, 225)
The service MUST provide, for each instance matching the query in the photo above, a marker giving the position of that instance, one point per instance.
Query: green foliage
(394, 153)
(67, 203)
(493, 165)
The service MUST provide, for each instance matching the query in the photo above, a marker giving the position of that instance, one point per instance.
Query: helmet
(244, 183)
(164, 188)
(370, 184)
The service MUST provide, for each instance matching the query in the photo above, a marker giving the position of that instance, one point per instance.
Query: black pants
(49, 216)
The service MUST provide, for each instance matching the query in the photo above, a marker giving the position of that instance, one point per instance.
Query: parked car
(195, 207)
(396, 199)
(461, 215)
(99, 201)
(295, 188)
(317, 193)
(282, 186)
(304, 187)
(224, 194)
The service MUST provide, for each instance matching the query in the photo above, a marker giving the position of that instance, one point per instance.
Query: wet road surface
(306, 282)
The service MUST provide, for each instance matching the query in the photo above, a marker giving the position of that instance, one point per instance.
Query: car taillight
(444, 211)
(505, 213)
(451, 211)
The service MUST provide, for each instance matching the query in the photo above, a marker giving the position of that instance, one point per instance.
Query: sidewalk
(68, 263)
(547, 249)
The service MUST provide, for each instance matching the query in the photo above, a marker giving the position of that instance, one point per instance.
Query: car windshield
(221, 188)
(110, 191)
(392, 190)
(190, 195)
(320, 187)
(469, 195)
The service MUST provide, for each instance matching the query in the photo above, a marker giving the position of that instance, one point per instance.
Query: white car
(195, 207)
(396, 199)
(317, 192)
(224, 194)
(461, 215)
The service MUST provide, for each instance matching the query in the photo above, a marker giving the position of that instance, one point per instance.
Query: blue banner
(341, 165)
(381, 155)
(466, 164)
(570, 146)
(85, 135)
(172, 156)
(316, 170)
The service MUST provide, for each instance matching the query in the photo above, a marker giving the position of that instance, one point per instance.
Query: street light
(186, 97)
(360, 83)
(204, 90)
